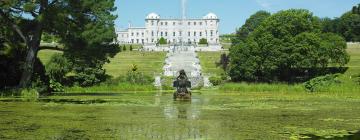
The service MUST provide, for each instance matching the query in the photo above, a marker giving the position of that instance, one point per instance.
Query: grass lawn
(207, 61)
(147, 62)
(45, 55)
(134, 46)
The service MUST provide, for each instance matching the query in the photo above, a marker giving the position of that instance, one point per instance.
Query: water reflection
(189, 110)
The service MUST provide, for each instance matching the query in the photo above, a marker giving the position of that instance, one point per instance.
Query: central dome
(152, 16)
(210, 16)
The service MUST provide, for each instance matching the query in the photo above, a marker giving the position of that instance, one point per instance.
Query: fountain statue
(182, 85)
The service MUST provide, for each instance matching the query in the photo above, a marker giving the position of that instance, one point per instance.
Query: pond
(158, 116)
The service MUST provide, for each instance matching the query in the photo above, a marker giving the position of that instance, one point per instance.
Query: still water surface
(157, 116)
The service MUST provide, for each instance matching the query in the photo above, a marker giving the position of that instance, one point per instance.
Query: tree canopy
(85, 28)
(286, 45)
(348, 25)
(250, 25)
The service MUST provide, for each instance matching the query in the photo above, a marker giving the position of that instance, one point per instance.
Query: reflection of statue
(183, 86)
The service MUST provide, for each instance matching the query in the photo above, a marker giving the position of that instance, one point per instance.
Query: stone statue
(182, 85)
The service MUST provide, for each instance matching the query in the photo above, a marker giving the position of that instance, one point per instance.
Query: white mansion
(173, 30)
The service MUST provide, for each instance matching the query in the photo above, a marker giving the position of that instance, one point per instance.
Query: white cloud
(264, 3)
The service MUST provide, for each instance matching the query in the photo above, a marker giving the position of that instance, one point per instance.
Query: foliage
(56, 69)
(124, 48)
(250, 25)
(162, 41)
(203, 41)
(216, 80)
(133, 76)
(224, 61)
(131, 48)
(287, 46)
(48, 38)
(29, 94)
(348, 25)
(88, 64)
(357, 78)
(322, 82)
(80, 26)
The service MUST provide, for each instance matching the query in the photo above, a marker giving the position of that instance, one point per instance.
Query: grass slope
(208, 62)
(149, 63)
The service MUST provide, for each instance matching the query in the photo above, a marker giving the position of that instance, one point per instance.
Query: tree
(203, 41)
(224, 61)
(124, 48)
(80, 25)
(250, 25)
(162, 41)
(131, 48)
(287, 45)
(349, 26)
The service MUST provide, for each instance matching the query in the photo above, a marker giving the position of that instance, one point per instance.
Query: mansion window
(211, 33)
(166, 23)
(189, 34)
(137, 34)
(194, 33)
(161, 33)
(200, 32)
(152, 33)
(142, 34)
(174, 23)
(200, 23)
(132, 34)
(189, 23)
(174, 34)
(194, 23)
(162, 23)
(152, 23)
(165, 33)
(180, 33)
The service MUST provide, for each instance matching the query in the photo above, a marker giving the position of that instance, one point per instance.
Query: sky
(232, 13)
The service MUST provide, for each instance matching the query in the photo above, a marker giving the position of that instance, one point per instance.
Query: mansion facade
(172, 30)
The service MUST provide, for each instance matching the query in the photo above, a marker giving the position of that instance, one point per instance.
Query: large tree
(80, 24)
(250, 25)
(348, 25)
(287, 44)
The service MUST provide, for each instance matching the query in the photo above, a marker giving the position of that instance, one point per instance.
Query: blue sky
(232, 13)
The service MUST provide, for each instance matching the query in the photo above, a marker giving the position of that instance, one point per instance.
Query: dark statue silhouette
(182, 85)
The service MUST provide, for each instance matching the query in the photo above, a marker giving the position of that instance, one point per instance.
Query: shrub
(120, 48)
(29, 94)
(357, 78)
(56, 69)
(131, 48)
(203, 41)
(132, 77)
(215, 80)
(162, 41)
(319, 83)
(124, 48)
